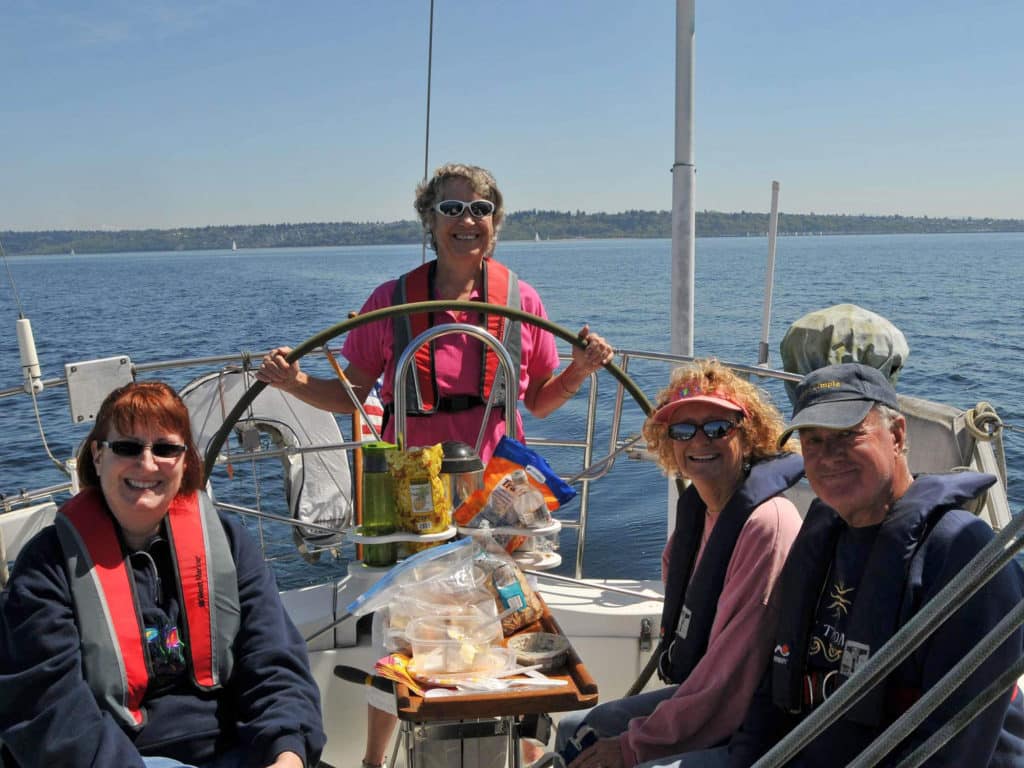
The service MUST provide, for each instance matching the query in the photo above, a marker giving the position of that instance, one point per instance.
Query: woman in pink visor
(733, 530)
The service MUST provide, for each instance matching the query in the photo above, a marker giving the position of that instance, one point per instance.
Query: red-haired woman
(144, 629)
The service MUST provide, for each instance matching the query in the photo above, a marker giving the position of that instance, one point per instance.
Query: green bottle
(380, 513)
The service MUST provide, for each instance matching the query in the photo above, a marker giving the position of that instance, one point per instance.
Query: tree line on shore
(520, 225)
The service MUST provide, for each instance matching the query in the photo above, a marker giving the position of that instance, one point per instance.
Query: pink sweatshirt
(711, 703)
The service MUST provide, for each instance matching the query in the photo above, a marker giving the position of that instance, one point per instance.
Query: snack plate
(580, 692)
(499, 662)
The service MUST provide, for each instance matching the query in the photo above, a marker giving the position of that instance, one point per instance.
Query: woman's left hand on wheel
(595, 354)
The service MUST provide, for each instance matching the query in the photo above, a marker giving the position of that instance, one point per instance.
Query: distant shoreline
(518, 226)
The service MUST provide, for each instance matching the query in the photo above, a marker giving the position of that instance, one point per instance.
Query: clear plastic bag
(516, 601)
(436, 569)
(520, 491)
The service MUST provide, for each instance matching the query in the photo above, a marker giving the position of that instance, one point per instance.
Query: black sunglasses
(454, 208)
(714, 429)
(129, 449)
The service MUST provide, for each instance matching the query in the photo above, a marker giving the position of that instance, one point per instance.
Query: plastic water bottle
(528, 502)
(380, 512)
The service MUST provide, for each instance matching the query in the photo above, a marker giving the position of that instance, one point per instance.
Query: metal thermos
(380, 513)
(462, 472)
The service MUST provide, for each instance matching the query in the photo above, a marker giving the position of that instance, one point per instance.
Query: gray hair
(428, 194)
(888, 416)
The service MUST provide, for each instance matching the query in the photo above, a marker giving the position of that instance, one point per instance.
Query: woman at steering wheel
(461, 209)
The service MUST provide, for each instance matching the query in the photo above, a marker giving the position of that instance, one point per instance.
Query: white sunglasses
(478, 209)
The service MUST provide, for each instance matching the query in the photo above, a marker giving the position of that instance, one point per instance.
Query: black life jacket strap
(445, 404)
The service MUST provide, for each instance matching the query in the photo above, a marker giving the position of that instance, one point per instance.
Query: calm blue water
(957, 298)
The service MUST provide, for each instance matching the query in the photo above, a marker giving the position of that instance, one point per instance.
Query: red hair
(142, 404)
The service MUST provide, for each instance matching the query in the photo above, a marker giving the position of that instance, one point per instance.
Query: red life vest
(114, 659)
(500, 285)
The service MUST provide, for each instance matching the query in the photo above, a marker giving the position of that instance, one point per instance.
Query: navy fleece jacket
(996, 737)
(49, 716)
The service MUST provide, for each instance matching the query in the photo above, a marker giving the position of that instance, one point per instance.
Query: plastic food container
(544, 648)
(405, 609)
(456, 644)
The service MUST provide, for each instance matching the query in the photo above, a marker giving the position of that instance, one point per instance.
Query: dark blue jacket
(923, 544)
(48, 715)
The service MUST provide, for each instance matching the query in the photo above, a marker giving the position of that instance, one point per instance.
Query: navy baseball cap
(839, 397)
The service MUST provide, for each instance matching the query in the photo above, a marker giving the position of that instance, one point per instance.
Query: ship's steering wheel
(320, 339)
(400, 310)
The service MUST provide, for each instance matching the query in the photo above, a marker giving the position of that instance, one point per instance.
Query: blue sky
(120, 114)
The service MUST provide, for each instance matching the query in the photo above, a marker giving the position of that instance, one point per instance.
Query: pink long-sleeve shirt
(710, 704)
(457, 363)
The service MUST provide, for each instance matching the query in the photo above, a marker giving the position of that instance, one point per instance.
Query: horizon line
(521, 211)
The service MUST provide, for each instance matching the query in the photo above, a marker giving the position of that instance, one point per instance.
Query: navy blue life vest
(691, 603)
(499, 285)
(881, 605)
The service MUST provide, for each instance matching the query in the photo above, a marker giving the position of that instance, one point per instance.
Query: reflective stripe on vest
(114, 660)
(500, 285)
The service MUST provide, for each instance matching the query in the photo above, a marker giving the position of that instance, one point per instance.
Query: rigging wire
(35, 403)
(426, 138)
(10, 279)
(42, 436)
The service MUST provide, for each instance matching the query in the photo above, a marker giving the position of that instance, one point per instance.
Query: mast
(683, 186)
(683, 212)
(766, 315)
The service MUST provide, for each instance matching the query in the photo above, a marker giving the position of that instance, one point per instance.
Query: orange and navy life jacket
(500, 285)
(115, 662)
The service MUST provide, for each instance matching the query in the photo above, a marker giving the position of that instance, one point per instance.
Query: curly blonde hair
(760, 428)
(428, 194)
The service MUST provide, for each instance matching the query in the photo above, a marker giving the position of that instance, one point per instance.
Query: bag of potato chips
(421, 497)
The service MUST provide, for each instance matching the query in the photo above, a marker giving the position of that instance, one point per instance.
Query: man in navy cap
(876, 545)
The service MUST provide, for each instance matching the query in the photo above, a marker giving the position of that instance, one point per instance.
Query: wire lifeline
(981, 568)
(933, 698)
(960, 720)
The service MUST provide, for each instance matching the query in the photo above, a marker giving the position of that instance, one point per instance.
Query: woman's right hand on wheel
(276, 371)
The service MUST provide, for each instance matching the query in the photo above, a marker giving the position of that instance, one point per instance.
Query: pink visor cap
(686, 395)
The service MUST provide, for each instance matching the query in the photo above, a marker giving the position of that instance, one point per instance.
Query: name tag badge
(684, 622)
(855, 656)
